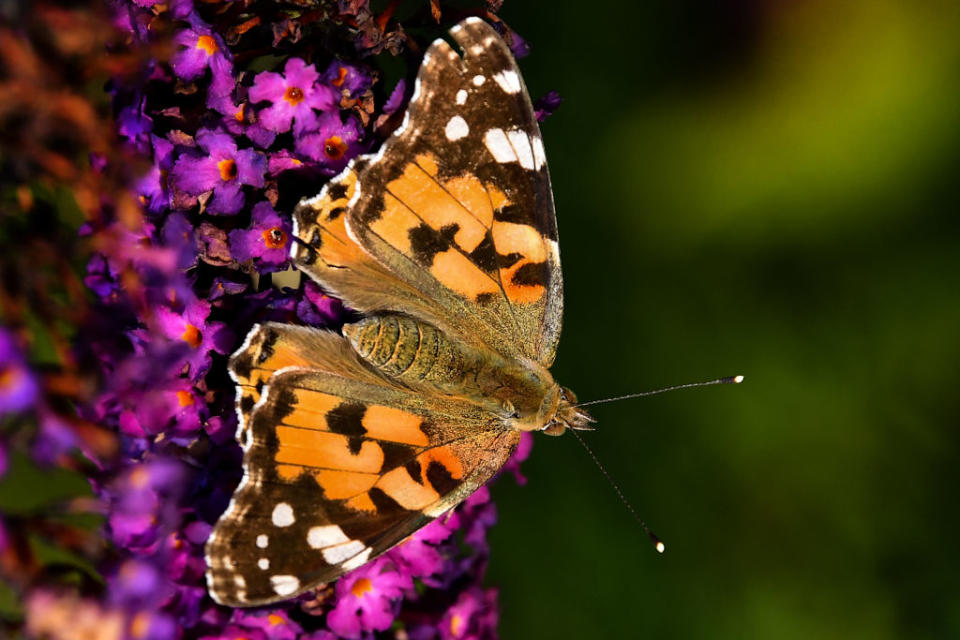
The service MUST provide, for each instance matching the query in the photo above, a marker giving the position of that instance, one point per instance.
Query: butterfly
(446, 241)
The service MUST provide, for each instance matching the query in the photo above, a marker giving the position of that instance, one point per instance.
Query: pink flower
(294, 95)
(188, 326)
(419, 556)
(266, 241)
(276, 624)
(367, 599)
(472, 617)
(199, 49)
(218, 166)
(334, 141)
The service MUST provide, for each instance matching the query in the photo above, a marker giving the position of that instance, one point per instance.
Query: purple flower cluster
(245, 117)
(21, 394)
(18, 385)
(19, 389)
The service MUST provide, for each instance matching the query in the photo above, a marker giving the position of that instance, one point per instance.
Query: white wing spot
(499, 146)
(284, 585)
(457, 128)
(461, 96)
(539, 156)
(357, 560)
(521, 144)
(263, 563)
(476, 49)
(240, 582)
(262, 541)
(402, 128)
(478, 81)
(508, 80)
(416, 84)
(341, 552)
(283, 515)
(326, 536)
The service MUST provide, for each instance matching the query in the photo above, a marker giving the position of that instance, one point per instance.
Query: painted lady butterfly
(447, 241)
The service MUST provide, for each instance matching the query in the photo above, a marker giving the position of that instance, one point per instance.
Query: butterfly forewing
(457, 205)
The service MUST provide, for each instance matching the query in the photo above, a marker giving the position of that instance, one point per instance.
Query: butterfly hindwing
(341, 469)
(271, 346)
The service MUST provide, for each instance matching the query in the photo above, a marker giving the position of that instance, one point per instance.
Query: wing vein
(497, 281)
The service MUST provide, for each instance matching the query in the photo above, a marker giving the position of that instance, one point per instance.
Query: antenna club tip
(737, 379)
(660, 547)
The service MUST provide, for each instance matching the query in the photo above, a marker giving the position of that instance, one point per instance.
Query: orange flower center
(140, 625)
(238, 116)
(275, 238)
(276, 620)
(191, 335)
(293, 95)
(139, 478)
(185, 398)
(228, 169)
(208, 44)
(456, 625)
(361, 586)
(9, 376)
(334, 147)
(341, 78)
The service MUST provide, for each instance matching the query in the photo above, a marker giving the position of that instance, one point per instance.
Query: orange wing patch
(420, 191)
(328, 235)
(457, 272)
(310, 409)
(450, 226)
(325, 450)
(520, 240)
(315, 410)
(395, 223)
(340, 485)
(421, 481)
(394, 425)
(252, 366)
(409, 493)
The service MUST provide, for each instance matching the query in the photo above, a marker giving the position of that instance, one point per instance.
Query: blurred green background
(769, 189)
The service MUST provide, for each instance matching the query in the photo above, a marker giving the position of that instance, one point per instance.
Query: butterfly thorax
(520, 392)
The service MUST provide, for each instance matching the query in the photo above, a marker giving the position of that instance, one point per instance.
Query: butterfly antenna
(689, 385)
(657, 543)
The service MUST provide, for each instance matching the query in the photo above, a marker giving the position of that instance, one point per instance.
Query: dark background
(763, 188)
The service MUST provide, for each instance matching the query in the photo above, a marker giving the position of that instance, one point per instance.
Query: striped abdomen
(411, 351)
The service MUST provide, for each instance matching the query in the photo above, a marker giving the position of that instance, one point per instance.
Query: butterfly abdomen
(410, 351)
(418, 354)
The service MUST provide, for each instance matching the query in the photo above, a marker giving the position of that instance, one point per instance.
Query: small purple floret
(219, 167)
(266, 241)
(293, 97)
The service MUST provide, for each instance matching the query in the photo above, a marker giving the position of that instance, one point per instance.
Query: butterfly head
(557, 412)
(568, 415)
